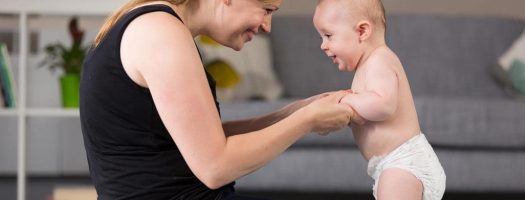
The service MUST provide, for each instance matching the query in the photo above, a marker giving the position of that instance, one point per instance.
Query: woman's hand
(356, 118)
(326, 113)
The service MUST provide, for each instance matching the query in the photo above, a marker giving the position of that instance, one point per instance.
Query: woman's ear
(364, 30)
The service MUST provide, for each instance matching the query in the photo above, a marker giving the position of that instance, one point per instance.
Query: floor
(332, 196)
(41, 188)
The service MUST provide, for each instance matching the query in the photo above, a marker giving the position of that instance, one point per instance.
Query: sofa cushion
(468, 123)
(472, 122)
(515, 52)
(344, 170)
(452, 56)
(512, 64)
(517, 76)
(502, 77)
(442, 56)
(252, 67)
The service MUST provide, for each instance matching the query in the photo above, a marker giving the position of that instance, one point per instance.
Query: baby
(386, 128)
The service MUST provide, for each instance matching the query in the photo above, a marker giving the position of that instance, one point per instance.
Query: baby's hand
(356, 118)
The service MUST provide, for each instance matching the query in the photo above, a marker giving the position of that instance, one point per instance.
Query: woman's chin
(238, 46)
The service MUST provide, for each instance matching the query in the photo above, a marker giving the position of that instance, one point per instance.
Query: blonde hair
(375, 11)
(267, 1)
(111, 20)
(372, 10)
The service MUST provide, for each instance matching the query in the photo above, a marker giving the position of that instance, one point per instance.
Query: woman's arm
(168, 64)
(254, 124)
(236, 127)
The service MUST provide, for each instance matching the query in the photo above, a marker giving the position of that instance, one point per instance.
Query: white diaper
(417, 157)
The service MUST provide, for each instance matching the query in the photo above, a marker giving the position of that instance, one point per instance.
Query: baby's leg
(399, 184)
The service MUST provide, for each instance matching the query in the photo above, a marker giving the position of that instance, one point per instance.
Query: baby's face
(340, 38)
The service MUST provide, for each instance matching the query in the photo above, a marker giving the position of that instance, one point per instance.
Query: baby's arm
(355, 118)
(378, 100)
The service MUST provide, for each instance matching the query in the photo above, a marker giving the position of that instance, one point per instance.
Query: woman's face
(241, 20)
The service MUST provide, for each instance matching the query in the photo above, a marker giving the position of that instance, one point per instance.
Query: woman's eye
(269, 11)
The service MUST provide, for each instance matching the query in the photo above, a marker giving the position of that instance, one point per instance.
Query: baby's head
(354, 11)
(349, 28)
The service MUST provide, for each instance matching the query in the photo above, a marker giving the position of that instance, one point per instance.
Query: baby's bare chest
(358, 83)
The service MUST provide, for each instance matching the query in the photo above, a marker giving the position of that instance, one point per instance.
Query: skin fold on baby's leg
(399, 184)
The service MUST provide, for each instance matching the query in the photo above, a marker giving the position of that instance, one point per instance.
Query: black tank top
(130, 153)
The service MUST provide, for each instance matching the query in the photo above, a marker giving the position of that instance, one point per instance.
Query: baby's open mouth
(333, 58)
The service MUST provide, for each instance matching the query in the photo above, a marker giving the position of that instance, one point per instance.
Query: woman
(149, 114)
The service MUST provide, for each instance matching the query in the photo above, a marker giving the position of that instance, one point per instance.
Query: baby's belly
(381, 140)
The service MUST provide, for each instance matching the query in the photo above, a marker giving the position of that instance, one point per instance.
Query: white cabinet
(46, 138)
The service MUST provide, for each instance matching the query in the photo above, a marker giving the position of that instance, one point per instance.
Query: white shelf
(8, 112)
(52, 112)
(42, 112)
(59, 7)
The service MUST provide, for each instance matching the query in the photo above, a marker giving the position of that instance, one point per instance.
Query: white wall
(504, 8)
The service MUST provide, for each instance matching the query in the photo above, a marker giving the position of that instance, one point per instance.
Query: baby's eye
(269, 11)
(326, 35)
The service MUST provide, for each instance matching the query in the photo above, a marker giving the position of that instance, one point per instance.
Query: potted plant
(69, 60)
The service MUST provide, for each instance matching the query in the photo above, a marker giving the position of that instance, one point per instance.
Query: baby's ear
(364, 30)
(227, 2)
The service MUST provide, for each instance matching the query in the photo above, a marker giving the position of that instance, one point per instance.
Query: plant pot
(70, 87)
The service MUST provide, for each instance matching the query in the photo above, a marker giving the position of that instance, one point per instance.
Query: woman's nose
(266, 26)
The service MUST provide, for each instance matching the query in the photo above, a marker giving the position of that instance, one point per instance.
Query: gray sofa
(477, 130)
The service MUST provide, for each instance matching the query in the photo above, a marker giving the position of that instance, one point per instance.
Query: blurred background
(35, 120)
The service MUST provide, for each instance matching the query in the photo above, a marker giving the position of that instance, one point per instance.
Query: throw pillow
(511, 69)
(517, 76)
(248, 74)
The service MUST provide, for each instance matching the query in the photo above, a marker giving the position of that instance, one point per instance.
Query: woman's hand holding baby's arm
(327, 114)
(370, 106)
(356, 118)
